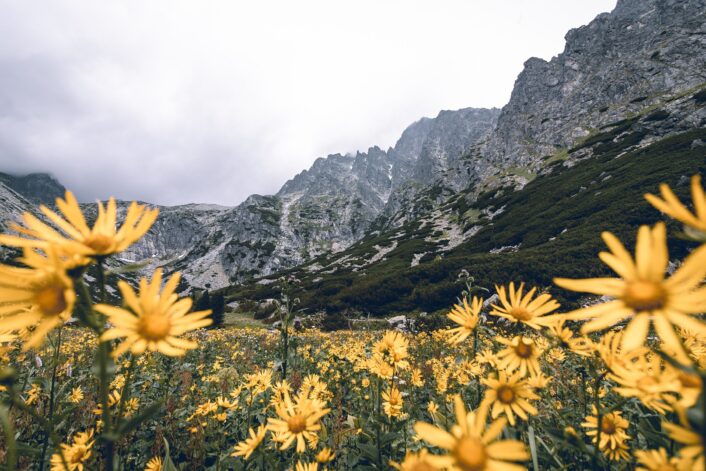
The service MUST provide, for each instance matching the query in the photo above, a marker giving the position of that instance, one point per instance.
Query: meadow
(516, 383)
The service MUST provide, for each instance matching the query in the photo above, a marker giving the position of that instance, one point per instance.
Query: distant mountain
(35, 187)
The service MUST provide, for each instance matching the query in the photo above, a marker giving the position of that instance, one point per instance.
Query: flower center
(608, 426)
(296, 423)
(506, 395)
(51, 300)
(101, 243)
(523, 350)
(154, 326)
(470, 454)
(521, 314)
(644, 295)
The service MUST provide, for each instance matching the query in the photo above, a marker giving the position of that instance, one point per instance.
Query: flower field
(517, 383)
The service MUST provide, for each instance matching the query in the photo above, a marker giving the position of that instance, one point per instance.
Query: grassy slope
(604, 192)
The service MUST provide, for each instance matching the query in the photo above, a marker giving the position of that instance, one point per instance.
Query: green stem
(377, 422)
(125, 394)
(44, 423)
(57, 353)
(599, 417)
(10, 444)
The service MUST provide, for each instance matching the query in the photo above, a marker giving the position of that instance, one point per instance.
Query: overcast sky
(175, 102)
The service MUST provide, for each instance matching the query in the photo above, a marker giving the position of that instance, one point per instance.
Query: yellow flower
(325, 456)
(250, 444)
(642, 294)
(75, 454)
(297, 421)
(521, 353)
(509, 395)
(33, 394)
(392, 402)
(416, 379)
(42, 296)
(153, 320)
(392, 349)
(100, 240)
(416, 462)
(76, 395)
(155, 464)
(521, 308)
(302, 466)
(432, 408)
(613, 430)
(466, 317)
(650, 380)
(692, 449)
(470, 445)
(695, 224)
(657, 460)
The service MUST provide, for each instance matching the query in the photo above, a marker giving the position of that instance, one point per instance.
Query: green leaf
(168, 464)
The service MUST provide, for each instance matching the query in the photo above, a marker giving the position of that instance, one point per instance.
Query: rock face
(644, 55)
(12, 205)
(323, 209)
(616, 65)
(35, 187)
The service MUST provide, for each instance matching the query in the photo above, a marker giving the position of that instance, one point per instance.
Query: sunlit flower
(100, 240)
(297, 421)
(325, 456)
(519, 308)
(509, 395)
(613, 429)
(521, 353)
(657, 460)
(392, 402)
(416, 462)
(642, 294)
(75, 454)
(41, 297)
(650, 380)
(392, 349)
(153, 321)
(669, 204)
(155, 464)
(76, 395)
(466, 317)
(250, 444)
(692, 449)
(470, 445)
(302, 466)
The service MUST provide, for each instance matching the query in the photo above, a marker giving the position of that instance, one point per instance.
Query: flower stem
(57, 353)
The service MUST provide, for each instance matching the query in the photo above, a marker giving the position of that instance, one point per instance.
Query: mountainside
(459, 189)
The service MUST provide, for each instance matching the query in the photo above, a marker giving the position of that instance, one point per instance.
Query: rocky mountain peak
(39, 188)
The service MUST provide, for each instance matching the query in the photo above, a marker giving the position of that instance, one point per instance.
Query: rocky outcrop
(35, 187)
(622, 62)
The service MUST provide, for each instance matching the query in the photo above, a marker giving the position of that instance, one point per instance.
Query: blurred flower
(103, 239)
(669, 204)
(642, 294)
(41, 296)
(250, 444)
(470, 445)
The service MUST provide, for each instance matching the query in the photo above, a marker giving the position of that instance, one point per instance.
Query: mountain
(37, 188)
(504, 194)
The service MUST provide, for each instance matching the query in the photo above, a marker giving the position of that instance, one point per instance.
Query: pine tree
(218, 307)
